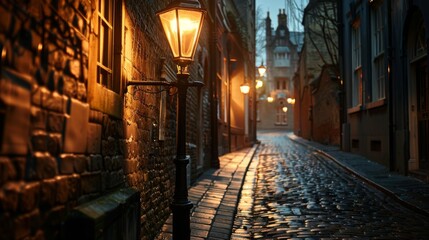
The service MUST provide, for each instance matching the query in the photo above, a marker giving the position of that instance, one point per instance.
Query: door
(422, 81)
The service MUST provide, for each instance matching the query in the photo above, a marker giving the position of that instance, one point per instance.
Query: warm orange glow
(262, 69)
(245, 88)
(291, 100)
(182, 28)
(284, 109)
(259, 83)
(270, 99)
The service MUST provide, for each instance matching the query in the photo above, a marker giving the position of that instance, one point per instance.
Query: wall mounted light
(245, 88)
(270, 99)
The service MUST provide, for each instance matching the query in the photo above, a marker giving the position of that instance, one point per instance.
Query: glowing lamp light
(245, 88)
(270, 99)
(182, 22)
(291, 100)
(284, 109)
(259, 83)
(262, 69)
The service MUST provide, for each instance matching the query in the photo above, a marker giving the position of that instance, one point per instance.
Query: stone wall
(57, 151)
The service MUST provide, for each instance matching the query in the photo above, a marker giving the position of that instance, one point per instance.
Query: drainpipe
(392, 138)
(213, 82)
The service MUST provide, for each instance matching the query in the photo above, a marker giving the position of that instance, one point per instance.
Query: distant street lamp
(182, 22)
(259, 83)
(284, 109)
(262, 69)
(291, 100)
(245, 88)
(270, 99)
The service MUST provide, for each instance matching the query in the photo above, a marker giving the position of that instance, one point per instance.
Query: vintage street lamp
(182, 22)
(259, 83)
(262, 69)
(245, 88)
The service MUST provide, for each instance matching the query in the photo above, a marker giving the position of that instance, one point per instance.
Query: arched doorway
(418, 94)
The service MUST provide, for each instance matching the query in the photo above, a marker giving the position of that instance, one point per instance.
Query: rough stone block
(39, 140)
(108, 147)
(113, 163)
(81, 91)
(69, 86)
(39, 118)
(95, 163)
(66, 163)
(10, 198)
(23, 62)
(62, 194)
(52, 222)
(91, 182)
(76, 129)
(80, 163)
(16, 99)
(20, 167)
(26, 223)
(94, 138)
(29, 196)
(7, 170)
(73, 68)
(52, 101)
(37, 94)
(74, 186)
(56, 122)
(45, 166)
(54, 144)
(5, 19)
(48, 191)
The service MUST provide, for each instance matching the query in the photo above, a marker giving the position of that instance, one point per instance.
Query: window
(356, 66)
(105, 61)
(377, 46)
(281, 116)
(104, 65)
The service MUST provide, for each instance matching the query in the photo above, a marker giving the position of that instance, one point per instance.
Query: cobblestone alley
(292, 192)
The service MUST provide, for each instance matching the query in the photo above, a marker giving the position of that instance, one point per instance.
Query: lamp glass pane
(245, 89)
(169, 23)
(189, 25)
(261, 70)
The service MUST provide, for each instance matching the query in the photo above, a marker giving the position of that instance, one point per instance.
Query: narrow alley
(298, 193)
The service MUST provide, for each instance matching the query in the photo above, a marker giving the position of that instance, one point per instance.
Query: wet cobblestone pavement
(291, 192)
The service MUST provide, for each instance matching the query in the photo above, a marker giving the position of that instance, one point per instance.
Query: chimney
(282, 18)
(268, 26)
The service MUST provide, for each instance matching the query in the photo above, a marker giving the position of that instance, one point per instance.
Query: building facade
(75, 136)
(384, 44)
(317, 83)
(282, 48)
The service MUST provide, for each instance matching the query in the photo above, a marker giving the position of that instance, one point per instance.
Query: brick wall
(326, 110)
(58, 152)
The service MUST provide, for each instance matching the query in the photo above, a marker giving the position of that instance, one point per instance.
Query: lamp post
(182, 22)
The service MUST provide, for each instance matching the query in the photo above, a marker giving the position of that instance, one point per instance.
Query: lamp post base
(181, 220)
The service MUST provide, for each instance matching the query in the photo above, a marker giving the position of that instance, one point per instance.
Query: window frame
(101, 97)
(378, 64)
(357, 79)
